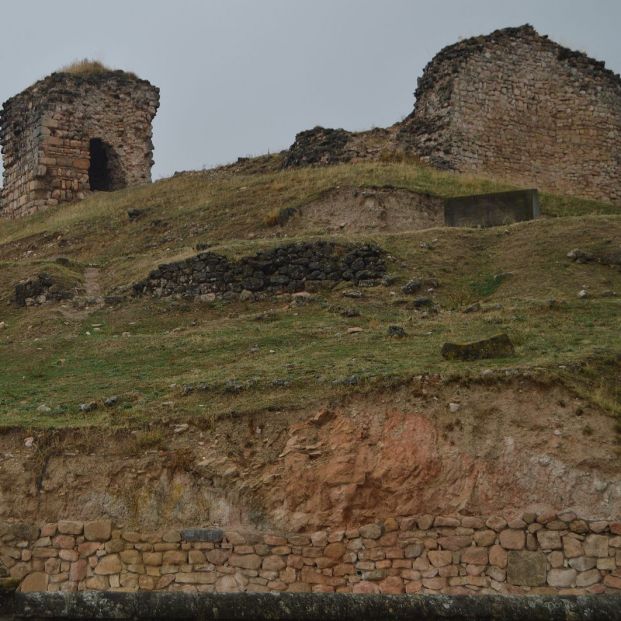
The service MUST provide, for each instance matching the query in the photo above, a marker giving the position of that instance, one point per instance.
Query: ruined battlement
(517, 106)
(73, 133)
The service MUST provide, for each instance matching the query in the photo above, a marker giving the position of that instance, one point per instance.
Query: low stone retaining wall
(444, 554)
(288, 268)
(305, 607)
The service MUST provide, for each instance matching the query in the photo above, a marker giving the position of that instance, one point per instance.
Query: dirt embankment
(429, 447)
(367, 210)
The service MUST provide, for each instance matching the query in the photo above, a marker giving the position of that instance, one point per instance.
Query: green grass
(274, 354)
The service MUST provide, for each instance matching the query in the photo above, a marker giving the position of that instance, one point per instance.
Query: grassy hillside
(176, 359)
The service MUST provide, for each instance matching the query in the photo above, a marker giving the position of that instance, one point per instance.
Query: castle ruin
(73, 133)
(517, 106)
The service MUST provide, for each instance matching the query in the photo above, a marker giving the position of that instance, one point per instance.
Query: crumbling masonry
(70, 134)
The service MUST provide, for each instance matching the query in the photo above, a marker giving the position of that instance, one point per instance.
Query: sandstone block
(583, 563)
(319, 539)
(485, 537)
(366, 587)
(587, 578)
(556, 559)
(131, 557)
(174, 557)
(612, 582)
(414, 550)
(245, 561)
(525, 568)
(153, 559)
(97, 583)
(393, 585)
(273, 563)
(498, 556)
(511, 539)
(572, 547)
(78, 570)
(203, 577)
(562, 577)
(474, 556)
(34, 582)
(455, 542)
(110, 564)
(371, 531)
(69, 527)
(596, 545)
(97, 530)
(549, 540)
(218, 557)
(440, 558)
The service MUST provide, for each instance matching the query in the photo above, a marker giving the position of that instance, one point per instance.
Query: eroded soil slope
(495, 445)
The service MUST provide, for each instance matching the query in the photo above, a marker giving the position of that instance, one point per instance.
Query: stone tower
(73, 133)
(517, 106)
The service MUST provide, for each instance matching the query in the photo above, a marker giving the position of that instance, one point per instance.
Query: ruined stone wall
(518, 106)
(534, 554)
(288, 268)
(46, 131)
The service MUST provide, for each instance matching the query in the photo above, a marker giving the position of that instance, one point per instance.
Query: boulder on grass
(499, 346)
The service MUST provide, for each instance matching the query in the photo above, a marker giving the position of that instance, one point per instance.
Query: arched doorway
(104, 172)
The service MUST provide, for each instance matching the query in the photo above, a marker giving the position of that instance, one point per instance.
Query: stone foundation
(535, 554)
(289, 268)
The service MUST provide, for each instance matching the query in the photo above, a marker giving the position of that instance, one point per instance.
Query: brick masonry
(46, 133)
(535, 554)
(518, 106)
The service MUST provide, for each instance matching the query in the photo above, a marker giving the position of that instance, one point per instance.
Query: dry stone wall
(534, 554)
(288, 268)
(69, 134)
(518, 106)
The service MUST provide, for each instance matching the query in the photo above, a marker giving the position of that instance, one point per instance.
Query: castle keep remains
(518, 106)
(73, 133)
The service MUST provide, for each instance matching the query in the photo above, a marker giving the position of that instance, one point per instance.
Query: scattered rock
(88, 407)
(396, 331)
(454, 407)
(181, 427)
(422, 302)
(2, 325)
(583, 293)
(473, 308)
(413, 286)
(44, 409)
(135, 214)
(499, 346)
(111, 401)
(352, 293)
(354, 330)
(28, 442)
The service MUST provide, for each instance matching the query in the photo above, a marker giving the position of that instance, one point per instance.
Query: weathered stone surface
(498, 346)
(107, 565)
(472, 113)
(213, 535)
(290, 268)
(512, 539)
(68, 527)
(549, 540)
(371, 531)
(98, 530)
(81, 133)
(36, 581)
(525, 568)
(562, 577)
(587, 578)
(596, 545)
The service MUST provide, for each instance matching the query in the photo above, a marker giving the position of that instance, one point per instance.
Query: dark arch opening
(99, 177)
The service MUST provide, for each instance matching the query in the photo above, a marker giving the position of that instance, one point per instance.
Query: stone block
(549, 540)
(596, 545)
(97, 530)
(562, 577)
(245, 561)
(526, 568)
(69, 527)
(512, 539)
(371, 531)
(110, 564)
(212, 535)
(475, 556)
(587, 578)
(34, 582)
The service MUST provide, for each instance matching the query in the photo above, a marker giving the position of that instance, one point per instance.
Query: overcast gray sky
(241, 77)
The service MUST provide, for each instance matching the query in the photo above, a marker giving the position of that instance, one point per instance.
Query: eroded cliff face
(430, 447)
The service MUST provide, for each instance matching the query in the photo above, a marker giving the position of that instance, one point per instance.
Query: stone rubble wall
(518, 106)
(287, 268)
(536, 554)
(45, 132)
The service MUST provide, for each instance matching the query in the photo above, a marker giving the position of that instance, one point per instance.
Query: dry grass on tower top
(87, 67)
